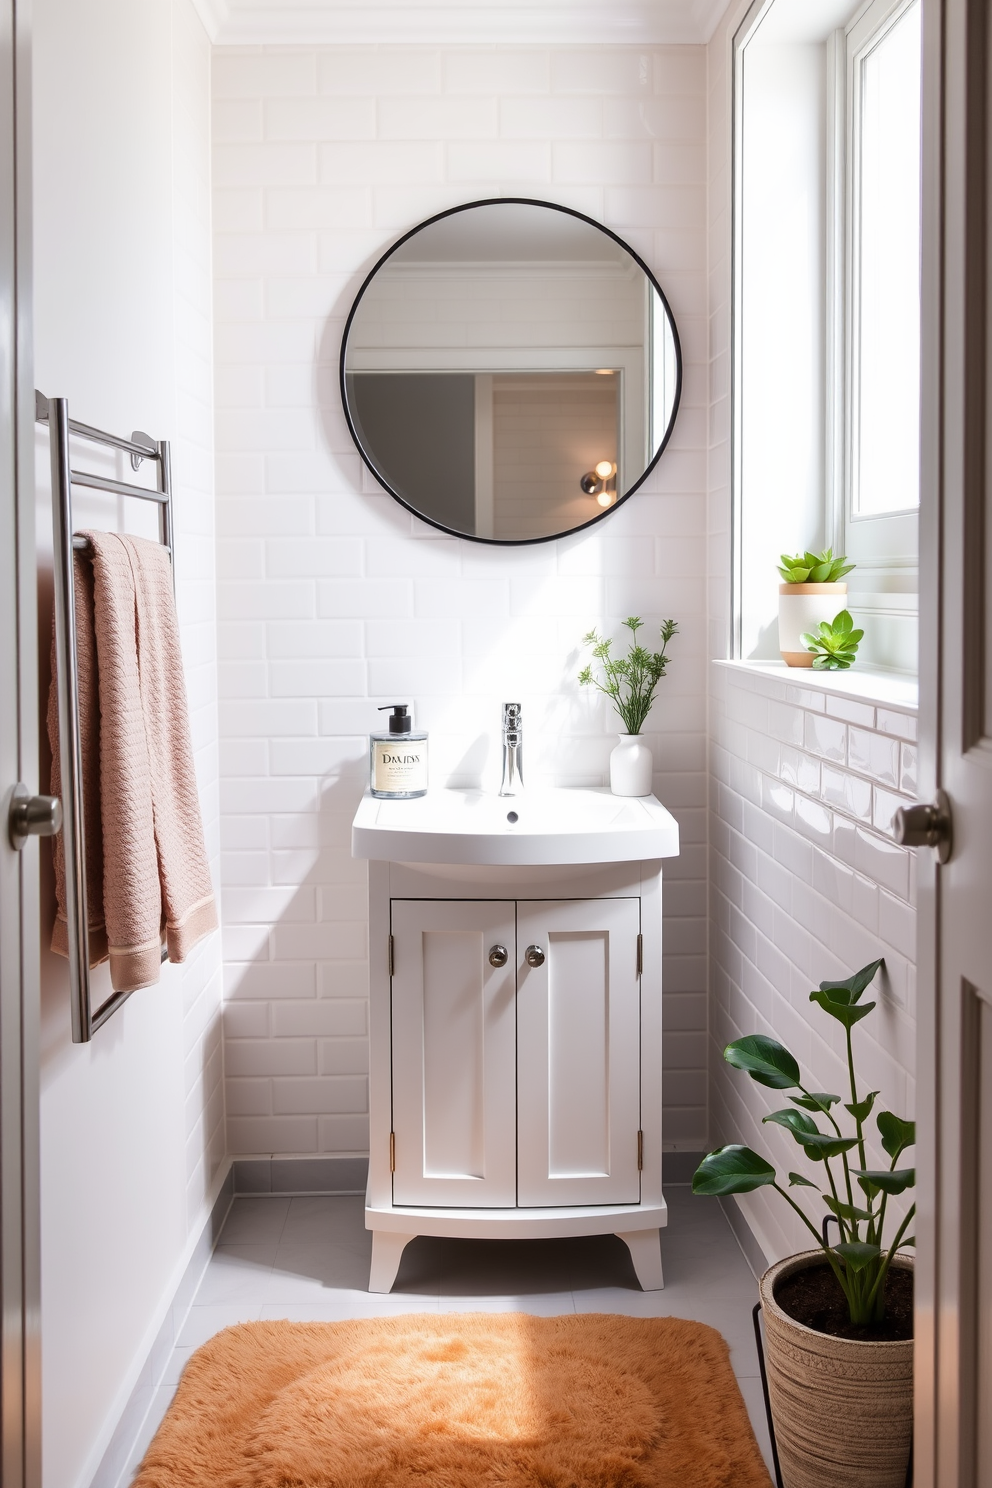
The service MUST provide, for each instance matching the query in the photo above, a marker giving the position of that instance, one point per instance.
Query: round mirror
(510, 371)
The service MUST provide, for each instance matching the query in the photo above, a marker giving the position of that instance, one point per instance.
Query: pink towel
(155, 879)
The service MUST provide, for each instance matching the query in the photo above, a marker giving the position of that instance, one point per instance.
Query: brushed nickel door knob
(498, 956)
(534, 956)
(927, 824)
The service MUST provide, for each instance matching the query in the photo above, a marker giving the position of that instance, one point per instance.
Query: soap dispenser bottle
(398, 759)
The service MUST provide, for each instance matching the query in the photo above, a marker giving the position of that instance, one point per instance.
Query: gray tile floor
(307, 1259)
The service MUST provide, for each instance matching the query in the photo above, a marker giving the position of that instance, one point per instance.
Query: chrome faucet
(513, 748)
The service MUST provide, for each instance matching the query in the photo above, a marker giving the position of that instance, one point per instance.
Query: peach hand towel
(155, 873)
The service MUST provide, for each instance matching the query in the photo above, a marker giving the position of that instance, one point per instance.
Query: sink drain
(512, 817)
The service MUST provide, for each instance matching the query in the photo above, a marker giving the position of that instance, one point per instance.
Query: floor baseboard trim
(300, 1175)
(678, 1167)
(349, 1175)
(745, 1237)
(116, 1466)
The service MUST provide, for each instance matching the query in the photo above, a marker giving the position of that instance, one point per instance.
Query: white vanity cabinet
(515, 1059)
(515, 1085)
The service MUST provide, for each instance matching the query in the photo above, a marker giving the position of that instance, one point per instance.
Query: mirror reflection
(511, 371)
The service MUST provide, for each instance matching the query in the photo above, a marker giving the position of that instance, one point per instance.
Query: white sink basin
(588, 825)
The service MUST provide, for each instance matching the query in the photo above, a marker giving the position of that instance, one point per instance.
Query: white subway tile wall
(806, 883)
(333, 600)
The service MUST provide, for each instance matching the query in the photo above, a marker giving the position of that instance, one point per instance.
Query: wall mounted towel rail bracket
(61, 429)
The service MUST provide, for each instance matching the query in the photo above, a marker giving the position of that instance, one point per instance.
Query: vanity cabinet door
(453, 1053)
(578, 1052)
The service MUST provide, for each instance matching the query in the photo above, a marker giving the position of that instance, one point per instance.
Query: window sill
(881, 689)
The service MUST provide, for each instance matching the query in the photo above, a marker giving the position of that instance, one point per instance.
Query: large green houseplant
(814, 1360)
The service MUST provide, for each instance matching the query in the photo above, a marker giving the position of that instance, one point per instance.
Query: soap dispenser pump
(398, 759)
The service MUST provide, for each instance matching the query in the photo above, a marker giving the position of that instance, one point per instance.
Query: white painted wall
(132, 1124)
(333, 599)
(806, 882)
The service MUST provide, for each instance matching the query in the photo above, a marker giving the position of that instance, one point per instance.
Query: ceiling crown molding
(459, 22)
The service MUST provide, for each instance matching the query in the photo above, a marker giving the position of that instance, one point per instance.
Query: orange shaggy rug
(459, 1401)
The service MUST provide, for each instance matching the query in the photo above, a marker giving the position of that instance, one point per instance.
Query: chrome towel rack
(55, 413)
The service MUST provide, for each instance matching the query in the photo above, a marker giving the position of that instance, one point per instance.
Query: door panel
(982, 1183)
(454, 1116)
(578, 1053)
(953, 1356)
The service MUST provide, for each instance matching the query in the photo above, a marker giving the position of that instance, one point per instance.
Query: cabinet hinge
(392, 963)
(640, 1151)
(640, 954)
(392, 1152)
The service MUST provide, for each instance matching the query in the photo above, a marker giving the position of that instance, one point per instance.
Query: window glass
(887, 346)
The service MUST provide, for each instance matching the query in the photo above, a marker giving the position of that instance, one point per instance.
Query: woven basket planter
(843, 1408)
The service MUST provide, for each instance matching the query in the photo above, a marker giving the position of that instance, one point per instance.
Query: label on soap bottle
(399, 764)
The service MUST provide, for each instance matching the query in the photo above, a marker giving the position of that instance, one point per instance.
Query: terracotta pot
(842, 1407)
(801, 607)
(631, 767)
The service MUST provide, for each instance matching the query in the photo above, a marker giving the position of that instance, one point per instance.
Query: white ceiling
(457, 22)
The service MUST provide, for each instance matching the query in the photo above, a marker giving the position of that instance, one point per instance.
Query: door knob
(927, 824)
(498, 955)
(534, 956)
(32, 816)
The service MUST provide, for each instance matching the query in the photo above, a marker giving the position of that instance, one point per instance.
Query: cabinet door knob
(534, 956)
(498, 955)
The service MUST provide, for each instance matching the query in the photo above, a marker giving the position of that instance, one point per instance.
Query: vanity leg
(645, 1252)
(387, 1252)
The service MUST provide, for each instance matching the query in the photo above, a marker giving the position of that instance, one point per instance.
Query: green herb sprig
(629, 681)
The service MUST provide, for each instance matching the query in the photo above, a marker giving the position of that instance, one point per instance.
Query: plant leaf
(845, 1211)
(795, 1122)
(845, 1012)
(765, 1060)
(861, 1109)
(797, 1180)
(854, 985)
(884, 1181)
(815, 1100)
(896, 1134)
(857, 1254)
(731, 1170)
(818, 1147)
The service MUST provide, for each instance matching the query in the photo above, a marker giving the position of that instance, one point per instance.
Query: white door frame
(20, 1371)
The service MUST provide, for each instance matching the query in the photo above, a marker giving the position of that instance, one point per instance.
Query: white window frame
(884, 546)
(883, 589)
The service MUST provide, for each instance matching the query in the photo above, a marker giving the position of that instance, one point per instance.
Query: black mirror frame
(525, 201)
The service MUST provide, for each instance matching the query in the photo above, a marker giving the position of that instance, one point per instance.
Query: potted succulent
(630, 682)
(811, 592)
(838, 1318)
(834, 645)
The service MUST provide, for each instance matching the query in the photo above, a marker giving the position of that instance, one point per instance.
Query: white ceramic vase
(801, 607)
(631, 767)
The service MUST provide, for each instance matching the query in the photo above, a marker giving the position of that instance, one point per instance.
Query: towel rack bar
(147, 451)
(81, 544)
(55, 413)
(120, 488)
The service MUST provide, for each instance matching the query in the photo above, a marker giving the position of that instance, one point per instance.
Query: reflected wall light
(601, 483)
